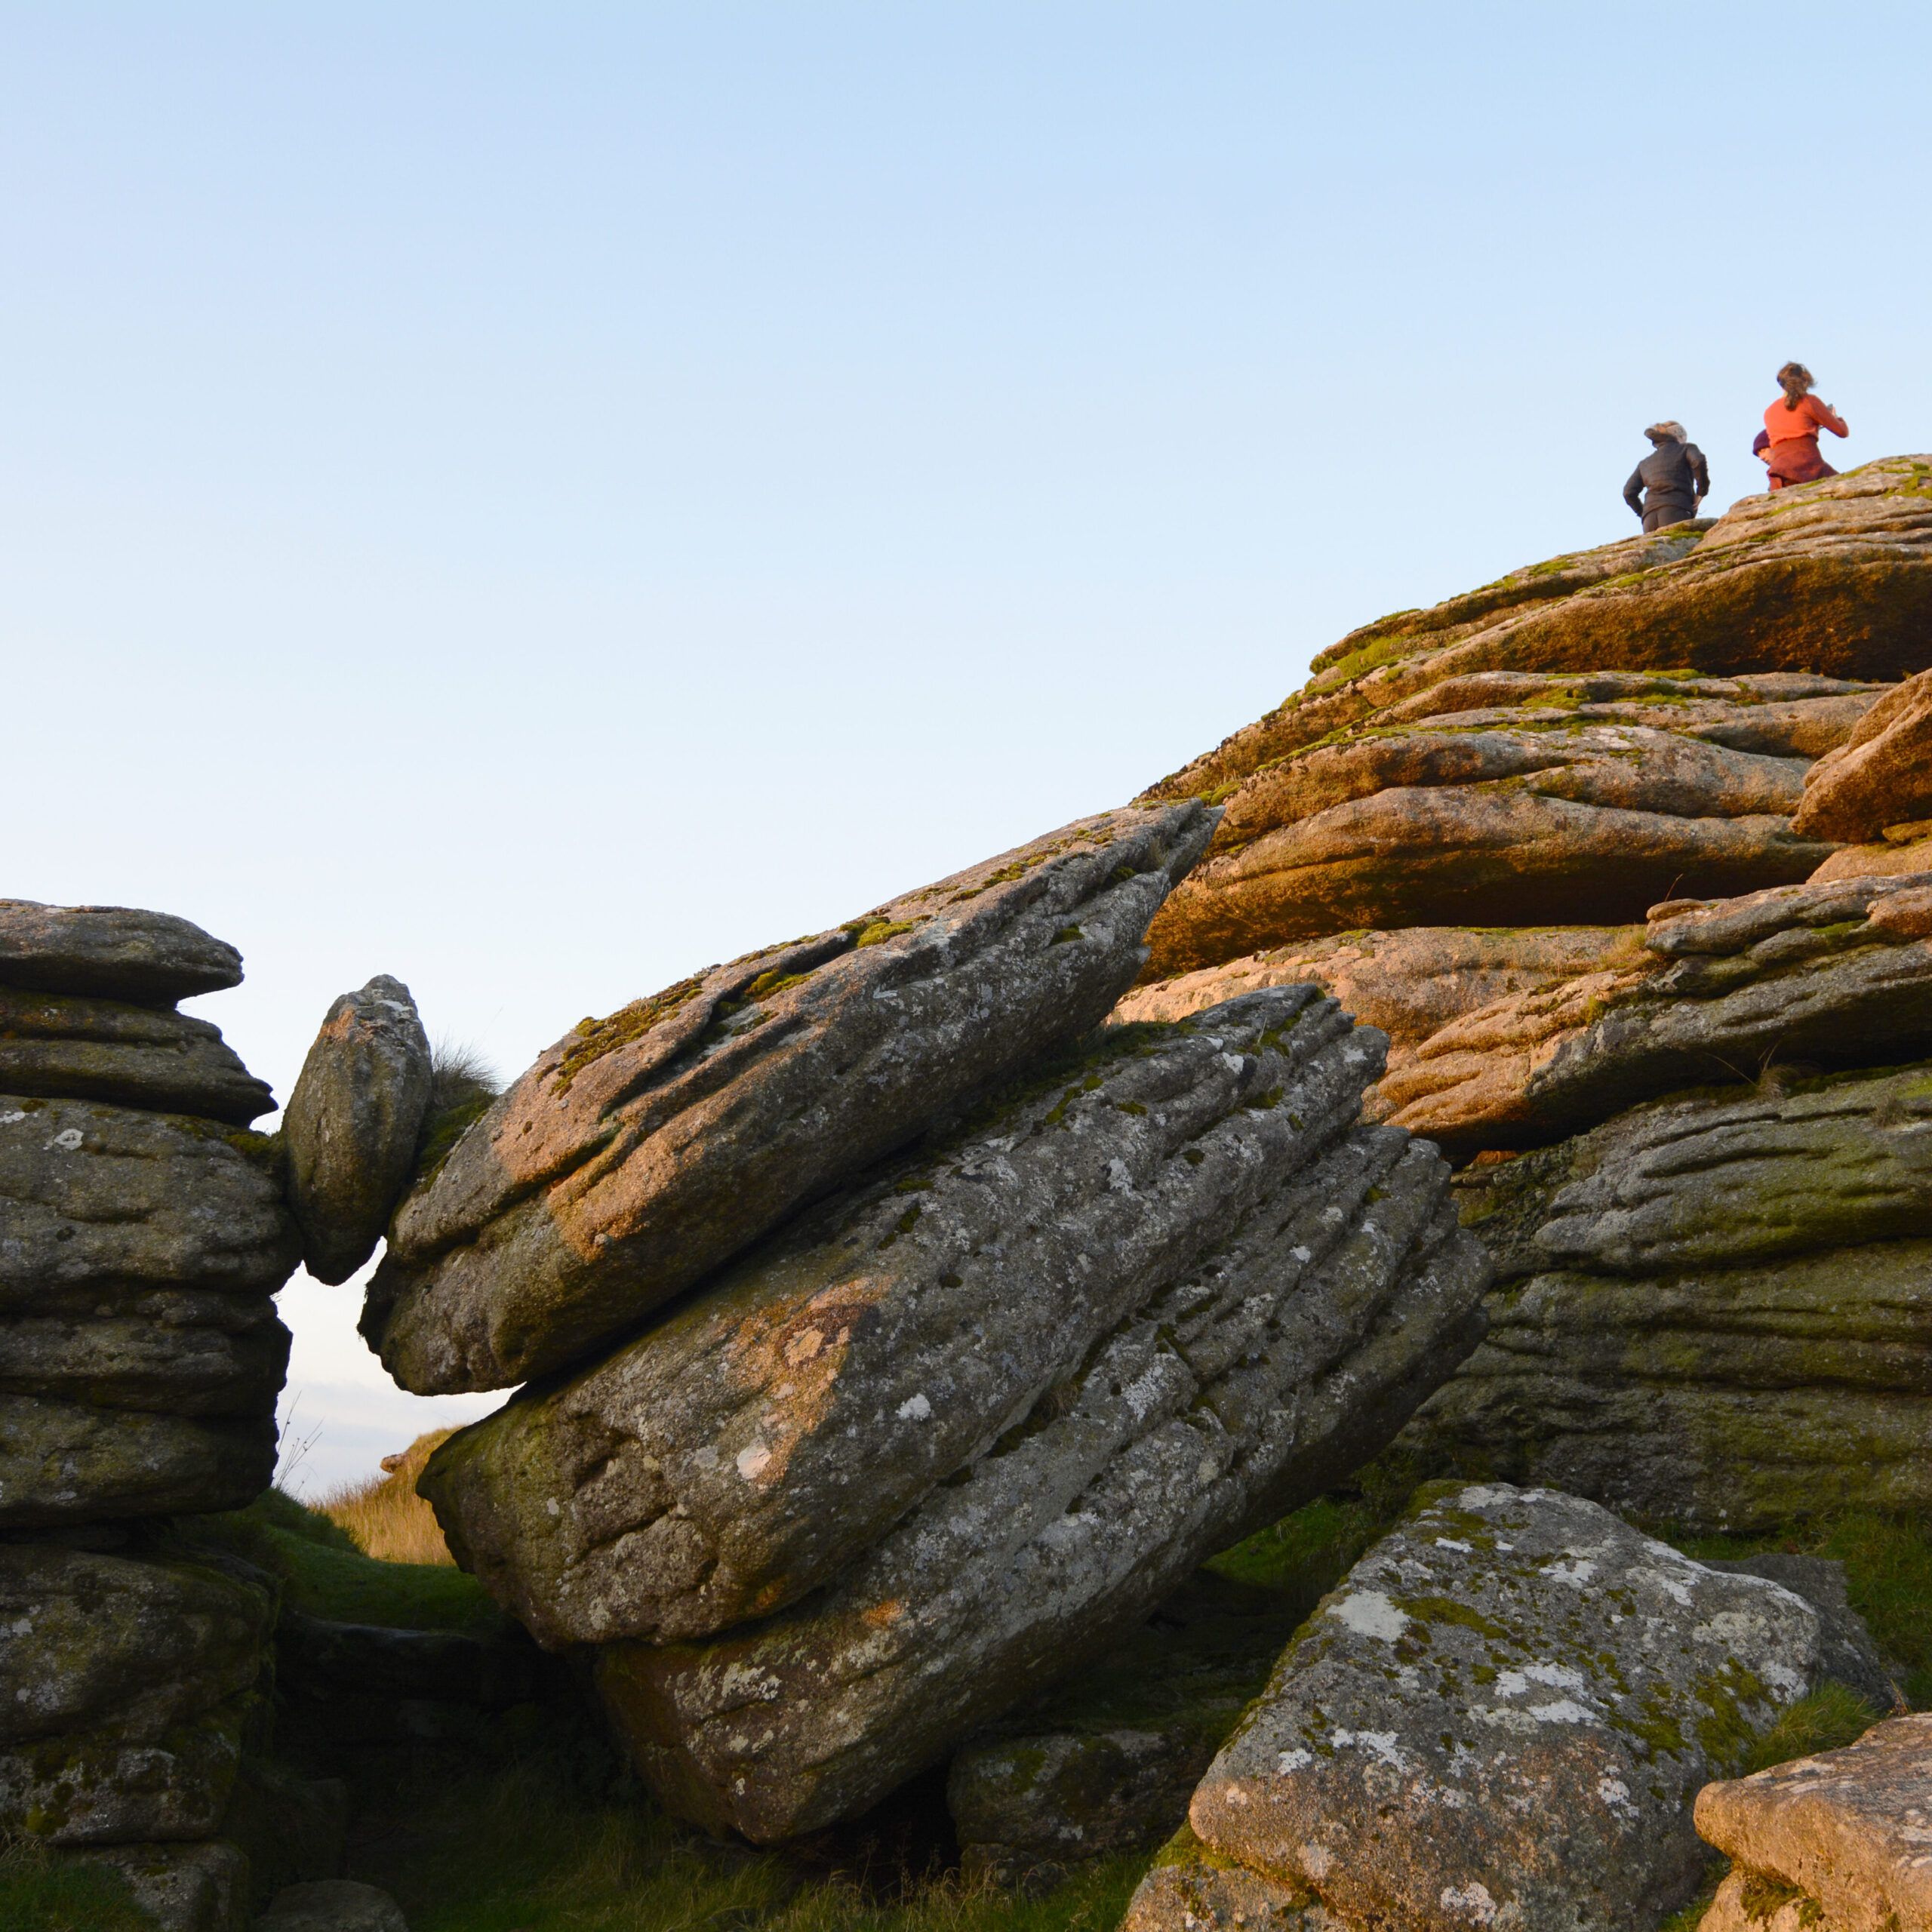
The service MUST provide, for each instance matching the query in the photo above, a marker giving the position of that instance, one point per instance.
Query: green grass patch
(522, 1853)
(322, 1572)
(1830, 1718)
(46, 1892)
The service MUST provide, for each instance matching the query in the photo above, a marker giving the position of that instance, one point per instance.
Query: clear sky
(535, 500)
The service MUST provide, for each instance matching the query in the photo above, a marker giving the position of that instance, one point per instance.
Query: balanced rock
(1485, 818)
(644, 1149)
(1285, 1356)
(1825, 975)
(1833, 579)
(352, 1124)
(1713, 1309)
(139, 1354)
(61, 1045)
(1881, 776)
(111, 952)
(747, 1449)
(1836, 1843)
(1105, 1762)
(1499, 1718)
(124, 1690)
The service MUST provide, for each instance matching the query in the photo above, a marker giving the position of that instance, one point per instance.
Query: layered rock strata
(1487, 818)
(1542, 1685)
(1881, 776)
(643, 1150)
(352, 1123)
(1715, 1309)
(1283, 1357)
(142, 1235)
(748, 1449)
(1836, 1842)
(1831, 579)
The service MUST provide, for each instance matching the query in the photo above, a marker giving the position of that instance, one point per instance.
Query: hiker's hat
(1667, 432)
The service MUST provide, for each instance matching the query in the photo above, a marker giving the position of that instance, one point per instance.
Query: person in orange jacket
(1792, 423)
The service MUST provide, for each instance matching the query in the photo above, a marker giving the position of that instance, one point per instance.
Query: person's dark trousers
(1659, 514)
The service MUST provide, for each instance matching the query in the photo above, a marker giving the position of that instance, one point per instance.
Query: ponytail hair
(1795, 380)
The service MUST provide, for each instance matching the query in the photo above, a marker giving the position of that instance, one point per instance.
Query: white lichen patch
(1370, 1613)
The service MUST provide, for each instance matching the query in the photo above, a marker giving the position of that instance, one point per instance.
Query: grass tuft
(1830, 1718)
(384, 1517)
(47, 1893)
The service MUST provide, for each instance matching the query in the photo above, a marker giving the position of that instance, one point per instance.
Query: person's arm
(1825, 416)
(1700, 470)
(1633, 490)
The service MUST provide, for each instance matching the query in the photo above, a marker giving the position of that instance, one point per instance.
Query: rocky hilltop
(1226, 1324)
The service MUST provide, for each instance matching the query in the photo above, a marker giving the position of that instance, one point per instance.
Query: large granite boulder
(1487, 818)
(124, 1687)
(644, 1149)
(746, 1450)
(111, 952)
(1881, 776)
(1836, 1843)
(1714, 1309)
(1285, 1356)
(1833, 578)
(1829, 974)
(1498, 1717)
(1106, 1762)
(352, 1124)
(63, 1045)
(140, 1356)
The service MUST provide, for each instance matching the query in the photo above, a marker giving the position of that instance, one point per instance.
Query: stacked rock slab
(1499, 1718)
(644, 1149)
(908, 1460)
(1836, 1843)
(140, 1358)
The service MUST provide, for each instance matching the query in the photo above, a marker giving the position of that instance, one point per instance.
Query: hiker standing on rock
(1792, 422)
(1669, 484)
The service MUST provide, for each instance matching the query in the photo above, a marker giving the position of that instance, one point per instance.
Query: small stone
(332, 1905)
(111, 952)
(352, 1124)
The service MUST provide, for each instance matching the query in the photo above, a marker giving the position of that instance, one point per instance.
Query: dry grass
(385, 1517)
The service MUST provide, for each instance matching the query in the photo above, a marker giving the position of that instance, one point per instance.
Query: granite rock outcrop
(1880, 776)
(643, 1150)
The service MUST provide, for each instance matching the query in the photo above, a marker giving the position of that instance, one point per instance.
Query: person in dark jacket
(1669, 484)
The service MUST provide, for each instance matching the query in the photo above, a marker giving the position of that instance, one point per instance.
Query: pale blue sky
(535, 500)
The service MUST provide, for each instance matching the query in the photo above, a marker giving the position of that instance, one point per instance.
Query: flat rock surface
(746, 1450)
(123, 1691)
(352, 1124)
(1499, 1717)
(1830, 974)
(1847, 1829)
(1824, 584)
(62, 1045)
(1881, 776)
(111, 952)
(1484, 821)
(1288, 1357)
(644, 1149)
(1716, 1309)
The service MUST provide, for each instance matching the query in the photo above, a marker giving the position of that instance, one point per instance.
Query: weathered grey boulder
(200, 1887)
(644, 1149)
(1836, 1843)
(1881, 775)
(1106, 1762)
(140, 1355)
(747, 1449)
(1828, 975)
(1835, 577)
(60, 1045)
(1287, 1357)
(124, 1688)
(111, 952)
(1444, 822)
(1713, 1309)
(333, 1904)
(1499, 1718)
(352, 1123)
(1189, 1888)
(1848, 1657)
